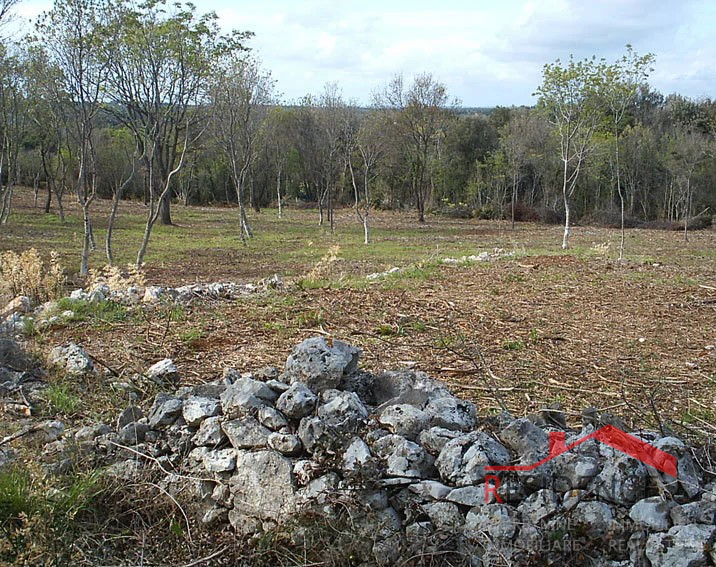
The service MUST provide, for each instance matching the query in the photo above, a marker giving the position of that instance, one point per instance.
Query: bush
(27, 274)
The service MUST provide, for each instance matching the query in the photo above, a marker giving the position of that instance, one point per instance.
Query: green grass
(96, 312)
(62, 398)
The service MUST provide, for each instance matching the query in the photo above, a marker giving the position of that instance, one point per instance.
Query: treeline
(112, 99)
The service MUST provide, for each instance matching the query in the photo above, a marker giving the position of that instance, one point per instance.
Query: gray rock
(356, 455)
(12, 356)
(215, 515)
(220, 460)
(342, 409)
(406, 387)
(404, 419)
(72, 359)
(435, 439)
(132, 433)
(165, 410)
(688, 477)
(463, 460)
(385, 445)
(525, 439)
(320, 363)
(539, 505)
(195, 410)
(305, 471)
(573, 470)
(700, 512)
(272, 418)
(210, 432)
(263, 485)
(164, 373)
(91, 432)
(285, 443)
(409, 459)
(468, 495)
(127, 470)
(49, 431)
(444, 515)
(594, 518)
(246, 433)
(622, 479)
(430, 489)
(418, 532)
(244, 395)
(451, 413)
(297, 402)
(652, 513)
(129, 415)
(320, 489)
(497, 520)
(682, 546)
(244, 526)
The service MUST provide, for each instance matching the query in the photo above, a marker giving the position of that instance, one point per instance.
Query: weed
(95, 312)
(309, 319)
(192, 336)
(512, 344)
(417, 326)
(516, 278)
(386, 330)
(27, 274)
(62, 398)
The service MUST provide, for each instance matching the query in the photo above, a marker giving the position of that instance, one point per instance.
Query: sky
(487, 53)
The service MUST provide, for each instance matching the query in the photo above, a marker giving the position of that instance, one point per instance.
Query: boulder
(73, 359)
(652, 513)
(404, 419)
(297, 402)
(463, 460)
(246, 433)
(196, 409)
(164, 373)
(691, 545)
(320, 363)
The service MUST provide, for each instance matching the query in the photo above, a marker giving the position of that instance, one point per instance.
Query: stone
(195, 410)
(320, 363)
(404, 419)
(682, 546)
(305, 471)
(653, 513)
(497, 520)
(20, 304)
(244, 525)
(263, 485)
(342, 409)
(622, 479)
(285, 443)
(467, 495)
(164, 373)
(525, 439)
(319, 489)
(220, 460)
(49, 431)
(688, 477)
(209, 433)
(700, 512)
(128, 470)
(409, 459)
(594, 518)
(539, 505)
(444, 515)
(165, 410)
(132, 433)
(430, 489)
(385, 445)
(406, 387)
(463, 460)
(272, 418)
(72, 359)
(297, 402)
(246, 433)
(244, 395)
(129, 415)
(215, 515)
(435, 439)
(574, 471)
(12, 356)
(221, 494)
(451, 413)
(356, 455)
(91, 432)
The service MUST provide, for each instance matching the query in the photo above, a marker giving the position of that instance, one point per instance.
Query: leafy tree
(571, 96)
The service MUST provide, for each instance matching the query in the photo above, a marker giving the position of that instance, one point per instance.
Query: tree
(623, 81)
(240, 97)
(70, 33)
(421, 115)
(160, 64)
(570, 95)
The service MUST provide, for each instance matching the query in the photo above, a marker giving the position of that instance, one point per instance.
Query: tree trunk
(278, 192)
(565, 238)
(86, 241)
(165, 215)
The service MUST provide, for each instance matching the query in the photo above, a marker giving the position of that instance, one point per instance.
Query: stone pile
(408, 459)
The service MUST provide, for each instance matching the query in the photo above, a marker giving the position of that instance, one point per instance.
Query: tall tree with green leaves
(571, 96)
(161, 58)
(622, 83)
(70, 34)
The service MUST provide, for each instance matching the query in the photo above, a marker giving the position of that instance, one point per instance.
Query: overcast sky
(487, 52)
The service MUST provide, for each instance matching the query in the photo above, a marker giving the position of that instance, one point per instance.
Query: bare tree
(240, 97)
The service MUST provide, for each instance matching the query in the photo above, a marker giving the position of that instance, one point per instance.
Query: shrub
(27, 274)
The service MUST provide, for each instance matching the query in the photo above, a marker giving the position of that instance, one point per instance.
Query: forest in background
(111, 99)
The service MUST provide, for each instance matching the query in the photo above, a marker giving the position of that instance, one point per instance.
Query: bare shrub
(27, 274)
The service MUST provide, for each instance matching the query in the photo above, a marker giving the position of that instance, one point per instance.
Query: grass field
(537, 326)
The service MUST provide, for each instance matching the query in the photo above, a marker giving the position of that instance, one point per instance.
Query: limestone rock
(285, 443)
(320, 363)
(404, 419)
(451, 413)
(463, 460)
(165, 410)
(652, 513)
(72, 359)
(297, 402)
(196, 409)
(246, 433)
(210, 432)
(164, 372)
(682, 546)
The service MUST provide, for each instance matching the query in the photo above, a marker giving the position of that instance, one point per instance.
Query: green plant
(92, 311)
(62, 398)
(513, 344)
(386, 330)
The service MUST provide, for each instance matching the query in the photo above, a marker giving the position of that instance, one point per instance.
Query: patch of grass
(190, 337)
(386, 330)
(513, 344)
(62, 398)
(516, 278)
(95, 312)
(309, 319)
